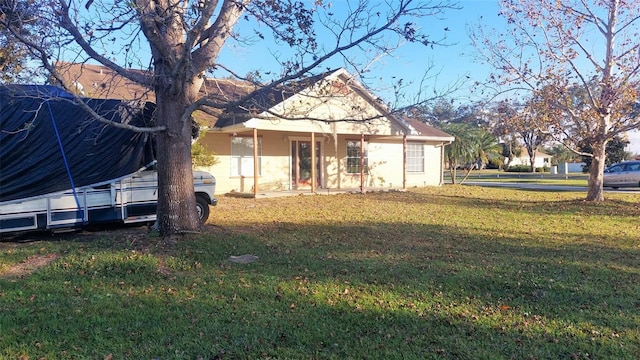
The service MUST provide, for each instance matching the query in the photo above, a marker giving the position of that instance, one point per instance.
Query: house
(323, 132)
(541, 160)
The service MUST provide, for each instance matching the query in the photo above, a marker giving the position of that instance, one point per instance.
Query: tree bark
(532, 163)
(595, 191)
(452, 169)
(176, 197)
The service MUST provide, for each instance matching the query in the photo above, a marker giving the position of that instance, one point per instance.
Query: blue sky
(450, 63)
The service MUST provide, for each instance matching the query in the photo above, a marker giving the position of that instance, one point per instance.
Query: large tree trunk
(595, 191)
(176, 198)
(176, 85)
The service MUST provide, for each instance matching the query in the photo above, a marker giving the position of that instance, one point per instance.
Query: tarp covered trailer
(61, 168)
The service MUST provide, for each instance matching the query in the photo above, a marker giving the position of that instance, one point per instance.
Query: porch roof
(418, 131)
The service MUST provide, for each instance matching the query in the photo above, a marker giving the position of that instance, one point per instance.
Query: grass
(572, 179)
(532, 180)
(454, 272)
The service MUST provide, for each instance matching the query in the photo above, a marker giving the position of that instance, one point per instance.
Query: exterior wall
(433, 166)
(333, 100)
(378, 126)
(385, 163)
(274, 175)
(541, 160)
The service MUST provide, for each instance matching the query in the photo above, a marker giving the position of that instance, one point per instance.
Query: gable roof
(249, 101)
(302, 100)
(423, 129)
(538, 153)
(101, 82)
(265, 98)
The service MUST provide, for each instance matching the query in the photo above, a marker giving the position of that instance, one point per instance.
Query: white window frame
(242, 156)
(415, 158)
(355, 145)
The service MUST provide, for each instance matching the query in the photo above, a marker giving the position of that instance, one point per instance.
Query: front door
(301, 164)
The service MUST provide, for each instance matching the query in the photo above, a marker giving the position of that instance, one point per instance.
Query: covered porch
(262, 163)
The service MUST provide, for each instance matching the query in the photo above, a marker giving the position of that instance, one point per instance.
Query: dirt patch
(28, 266)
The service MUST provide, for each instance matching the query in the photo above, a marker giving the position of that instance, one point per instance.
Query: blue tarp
(47, 142)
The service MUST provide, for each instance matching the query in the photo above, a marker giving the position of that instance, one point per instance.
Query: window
(353, 157)
(415, 157)
(616, 168)
(242, 156)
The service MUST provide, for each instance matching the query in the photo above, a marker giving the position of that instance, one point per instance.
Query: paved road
(529, 186)
(545, 187)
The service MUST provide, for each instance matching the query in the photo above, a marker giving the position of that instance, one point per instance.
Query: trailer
(132, 199)
(61, 169)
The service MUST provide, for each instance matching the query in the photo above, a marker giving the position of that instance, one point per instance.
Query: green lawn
(572, 179)
(453, 272)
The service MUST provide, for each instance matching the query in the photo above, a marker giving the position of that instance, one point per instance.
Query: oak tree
(21, 17)
(184, 39)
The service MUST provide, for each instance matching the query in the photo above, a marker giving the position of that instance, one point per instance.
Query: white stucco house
(327, 132)
(541, 159)
(324, 132)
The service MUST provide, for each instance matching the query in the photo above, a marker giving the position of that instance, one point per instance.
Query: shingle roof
(265, 98)
(97, 81)
(424, 129)
(247, 98)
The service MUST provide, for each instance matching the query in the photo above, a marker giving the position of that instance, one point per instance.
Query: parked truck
(60, 169)
(131, 199)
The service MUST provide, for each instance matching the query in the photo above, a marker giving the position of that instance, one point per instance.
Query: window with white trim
(353, 157)
(242, 156)
(415, 157)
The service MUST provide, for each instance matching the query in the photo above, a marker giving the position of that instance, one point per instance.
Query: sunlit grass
(532, 180)
(454, 272)
(571, 179)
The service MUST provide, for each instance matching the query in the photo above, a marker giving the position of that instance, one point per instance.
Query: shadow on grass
(372, 290)
(566, 204)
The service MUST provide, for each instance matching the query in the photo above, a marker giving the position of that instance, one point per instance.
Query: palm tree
(486, 147)
(472, 146)
(463, 150)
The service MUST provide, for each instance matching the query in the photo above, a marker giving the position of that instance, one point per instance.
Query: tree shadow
(374, 289)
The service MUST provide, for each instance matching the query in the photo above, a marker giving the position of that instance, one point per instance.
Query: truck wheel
(203, 209)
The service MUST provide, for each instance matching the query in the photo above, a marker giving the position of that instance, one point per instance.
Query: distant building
(541, 160)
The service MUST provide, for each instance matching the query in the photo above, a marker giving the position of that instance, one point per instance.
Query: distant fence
(566, 168)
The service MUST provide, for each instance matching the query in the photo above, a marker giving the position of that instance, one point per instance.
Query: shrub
(518, 168)
(495, 164)
(202, 157)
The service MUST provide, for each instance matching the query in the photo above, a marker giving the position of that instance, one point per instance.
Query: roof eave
(431, 138)
(241, 126)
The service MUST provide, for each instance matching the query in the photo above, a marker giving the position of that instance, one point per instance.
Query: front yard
(454, 272)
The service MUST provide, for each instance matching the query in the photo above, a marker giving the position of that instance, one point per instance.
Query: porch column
(404, 162)
(362, 162)
(442, 163)
(313, 162)
(255, 162)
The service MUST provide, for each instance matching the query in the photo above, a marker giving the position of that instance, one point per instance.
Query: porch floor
(270, 194)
